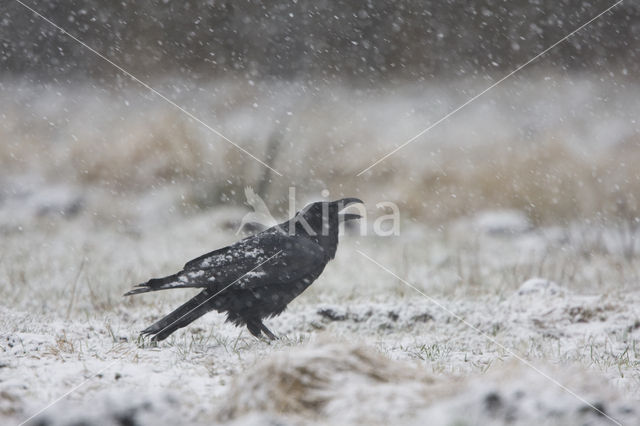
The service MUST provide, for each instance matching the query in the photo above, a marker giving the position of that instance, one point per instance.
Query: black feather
(256, 277)
(181, 317)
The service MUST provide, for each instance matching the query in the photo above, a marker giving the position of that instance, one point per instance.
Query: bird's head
(320, 221)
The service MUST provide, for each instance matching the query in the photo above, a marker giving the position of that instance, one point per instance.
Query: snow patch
(540, 286)
(501, 222)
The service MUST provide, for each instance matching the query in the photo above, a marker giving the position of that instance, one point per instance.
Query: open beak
(346, 202)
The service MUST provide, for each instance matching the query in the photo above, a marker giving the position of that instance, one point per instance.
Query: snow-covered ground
(358, 346)
(510, 296)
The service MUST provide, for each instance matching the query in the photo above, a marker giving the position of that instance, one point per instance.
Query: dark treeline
(339, 39)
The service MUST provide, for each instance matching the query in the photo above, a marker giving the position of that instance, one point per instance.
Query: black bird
(258, 276)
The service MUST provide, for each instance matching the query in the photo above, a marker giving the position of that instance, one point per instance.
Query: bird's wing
(296, 258)
(252, 247)
(268, 256)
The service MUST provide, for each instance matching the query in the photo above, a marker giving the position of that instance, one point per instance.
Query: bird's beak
(346, 202)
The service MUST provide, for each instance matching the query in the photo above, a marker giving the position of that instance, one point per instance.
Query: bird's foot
(268, 333)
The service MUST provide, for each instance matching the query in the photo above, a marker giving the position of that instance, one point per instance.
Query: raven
(256, 277)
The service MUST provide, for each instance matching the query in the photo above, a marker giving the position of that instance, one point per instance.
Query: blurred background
(320, 90)
(520, 212)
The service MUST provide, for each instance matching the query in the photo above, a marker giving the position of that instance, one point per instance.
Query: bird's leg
(267, 332)
(255, 327)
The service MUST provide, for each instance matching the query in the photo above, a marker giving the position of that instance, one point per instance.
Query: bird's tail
(154, 284)
(181, 317)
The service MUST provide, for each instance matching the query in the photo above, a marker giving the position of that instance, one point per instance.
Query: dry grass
(98, 142)
(153, 152)
(311, 381)
(549, 181)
